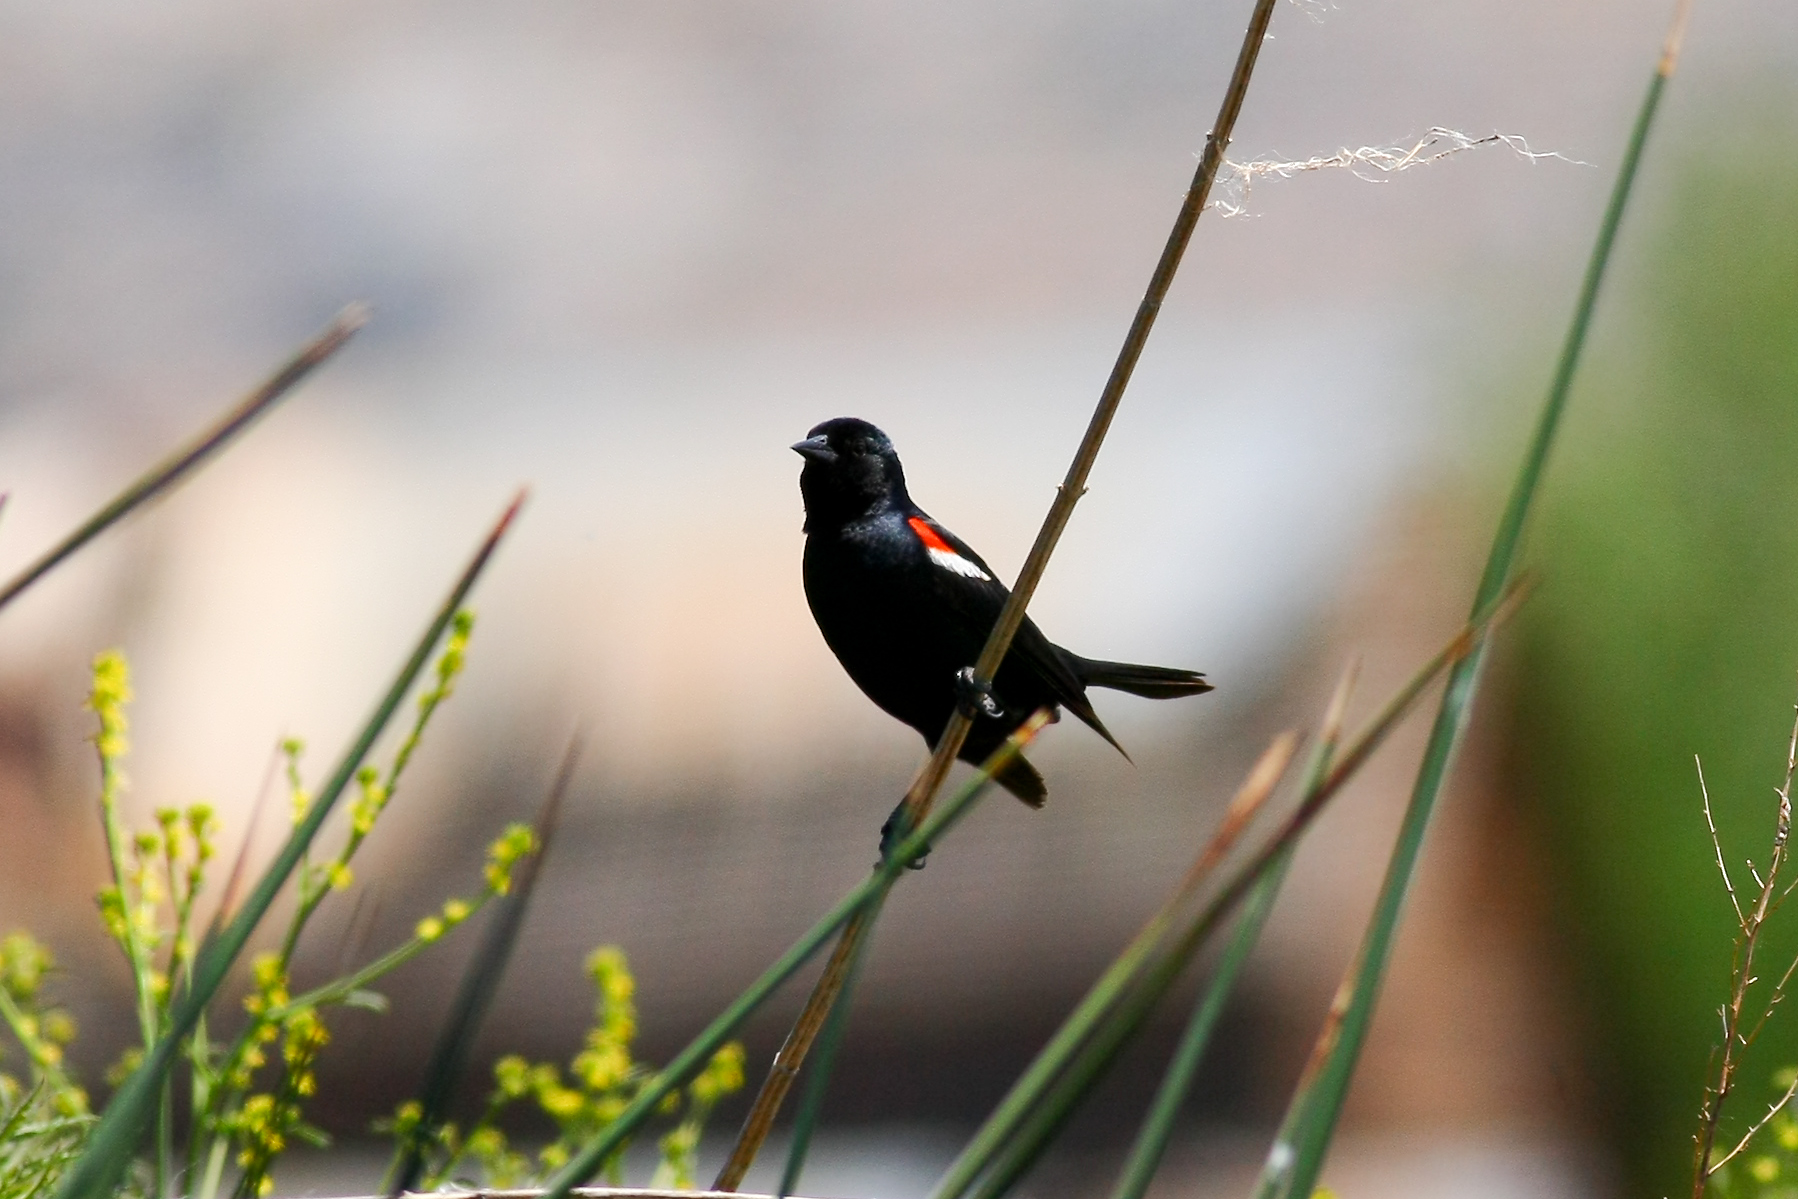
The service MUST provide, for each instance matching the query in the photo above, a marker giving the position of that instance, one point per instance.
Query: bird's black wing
(973, 594)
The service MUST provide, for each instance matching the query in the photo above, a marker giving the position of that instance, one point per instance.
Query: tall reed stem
(172, 470)
(929, 781)
(1297, 1155)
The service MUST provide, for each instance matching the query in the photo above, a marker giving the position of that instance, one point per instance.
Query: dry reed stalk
(930, 780)
(171, 471)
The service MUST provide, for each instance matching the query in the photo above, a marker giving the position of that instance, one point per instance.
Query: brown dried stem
(1749, 925)
(923, 790)
(177, 467)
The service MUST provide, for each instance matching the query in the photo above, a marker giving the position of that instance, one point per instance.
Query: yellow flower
(512, 1075)
(722, 1076)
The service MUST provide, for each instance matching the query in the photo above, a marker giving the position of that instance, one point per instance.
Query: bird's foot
(974, 697)
(895, 830)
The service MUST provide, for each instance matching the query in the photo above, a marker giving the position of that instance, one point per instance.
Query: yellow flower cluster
(263, 1124)
(722, 1076)
(516, 843)
(450, 663)
(44, 1033)
(371, 801)
(453, 912)
(111, 692)
(601, 1082)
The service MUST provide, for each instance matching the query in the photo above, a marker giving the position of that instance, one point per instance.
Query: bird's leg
(974, 697)
(896, 828)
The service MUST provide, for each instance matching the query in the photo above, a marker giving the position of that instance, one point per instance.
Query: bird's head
(850, 472)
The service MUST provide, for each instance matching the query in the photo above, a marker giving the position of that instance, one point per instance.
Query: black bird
(906, 606)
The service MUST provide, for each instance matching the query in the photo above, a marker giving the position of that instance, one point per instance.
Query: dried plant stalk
(930, 780)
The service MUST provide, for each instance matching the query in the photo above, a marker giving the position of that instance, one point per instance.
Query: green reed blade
(172, 470)
(699, 1051)
(1297, 1155)
(1057, 1105)
(449, 1057)
(824, 1057)
(1158, 1126)
(1125, 1020)
(1040, 1076)
(1029, 1091)
(121, 1128)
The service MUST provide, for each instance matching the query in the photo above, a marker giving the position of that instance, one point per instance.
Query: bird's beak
(816, 449)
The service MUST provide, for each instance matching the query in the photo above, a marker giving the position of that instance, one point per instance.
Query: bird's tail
(1150, 682)
(1021, 779)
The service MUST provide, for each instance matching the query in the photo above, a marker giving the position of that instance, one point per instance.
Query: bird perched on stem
(906, 606)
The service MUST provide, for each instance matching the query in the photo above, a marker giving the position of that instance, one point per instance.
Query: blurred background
(628, 252)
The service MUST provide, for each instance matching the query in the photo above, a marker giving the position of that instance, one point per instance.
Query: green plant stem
(174, 469)
(1158, 1126)
(1026, 1094)
(805, 1120)
(998, 643)
(20, 1025)
(699, 1051)
(340, 989)
(1294, 1164)
(449, 1056)
(137, 954)
(315, 884)
(115, 1138)
(1030, 1089)
(314, 891)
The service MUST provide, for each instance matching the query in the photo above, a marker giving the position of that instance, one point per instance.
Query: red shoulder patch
(929, 536)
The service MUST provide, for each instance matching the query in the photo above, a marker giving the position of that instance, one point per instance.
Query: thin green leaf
(1092, 1058)
(1296, 1158)
(171, 471)
(1105, 994)
(23, 1107)
(699, 1051)
(805, 1120)
(1158, 1126)
(922, 793)
(479, 983)
(1113, 986)
(121, 1128)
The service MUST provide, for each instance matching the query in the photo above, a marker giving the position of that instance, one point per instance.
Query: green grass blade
(171, 471)
(450, 1055)
(699, 1051)
(1158, 1126)
(121, 1128)
(1027, 1093)
(1056, 1106)
(1120, 1025)
(1011, 616)
(1294, 1165)
(1037, 1080)
(824, 1057)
